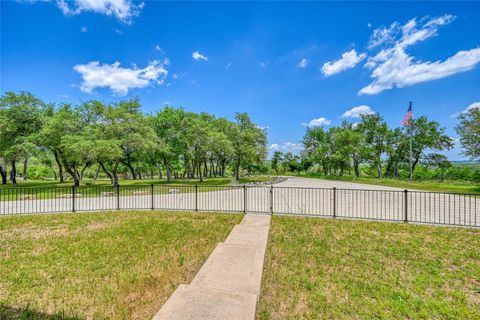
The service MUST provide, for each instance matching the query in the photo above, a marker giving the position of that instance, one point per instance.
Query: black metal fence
(391, 205)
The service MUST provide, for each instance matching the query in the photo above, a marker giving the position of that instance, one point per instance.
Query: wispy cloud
(228, 65)
(198, 56)
(348, 60)
(391, 66)
(159, 49)
(303, 63)
(124, 10)
(119, 79)
(83, 29)
(263, 64)
(397, 69)
(357, 112)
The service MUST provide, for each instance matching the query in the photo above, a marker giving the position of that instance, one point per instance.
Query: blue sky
(289, 65)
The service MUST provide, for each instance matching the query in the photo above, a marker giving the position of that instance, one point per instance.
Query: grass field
(47, 189)
(220, 181)
(446, 186)
(330, 269)
(111, 265)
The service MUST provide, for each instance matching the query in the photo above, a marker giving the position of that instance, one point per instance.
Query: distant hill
(466, 163)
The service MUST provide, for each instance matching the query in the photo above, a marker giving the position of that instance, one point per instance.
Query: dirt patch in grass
(331, 269)
(109, 265)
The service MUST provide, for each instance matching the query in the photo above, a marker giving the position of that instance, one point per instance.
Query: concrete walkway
(228, 284)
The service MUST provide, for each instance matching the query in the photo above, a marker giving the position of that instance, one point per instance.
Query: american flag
(408, 116)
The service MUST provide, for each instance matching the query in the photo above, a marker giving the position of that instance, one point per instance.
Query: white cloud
(118, 31)
(357, 112)
(123, 10)
(348, 60)
(286, 147)
(475, 105)
(119, 79)
(158, 49)
(383, 35)
(83, 29)
(198, 56)
(317, 122)
(395, 68)
(409, 33)
(303, 63)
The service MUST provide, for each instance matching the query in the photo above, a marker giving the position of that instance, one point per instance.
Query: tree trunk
(356, 166)
(115, 174)
(106, 172)
(237, 170)
(167, 168)
(60, 168)
(97, 172)
(54, 174)
(130, 167)
(25, 164)
(414, 164)
(73, 173)
(3, 173)
(83, 170)
(200, 176)
(13, 173)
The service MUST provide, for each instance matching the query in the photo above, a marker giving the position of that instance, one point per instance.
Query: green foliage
(469, 131)
(121, 140)
(371, 147)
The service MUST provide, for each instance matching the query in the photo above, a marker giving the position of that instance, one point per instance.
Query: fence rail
(407, 206)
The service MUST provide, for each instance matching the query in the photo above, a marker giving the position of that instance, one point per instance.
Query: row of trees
(384, 150)
(119, 138)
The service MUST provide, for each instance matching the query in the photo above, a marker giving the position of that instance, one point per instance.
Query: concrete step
(256, 220)
(196, 303)
(247, 235)
(233, 268)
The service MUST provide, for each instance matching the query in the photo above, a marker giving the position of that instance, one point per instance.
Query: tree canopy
(121, 139)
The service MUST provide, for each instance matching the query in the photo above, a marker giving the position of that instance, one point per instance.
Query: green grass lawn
(438, 186)
(220, 181)
(110, 265)
(330, 269)
(40, 189)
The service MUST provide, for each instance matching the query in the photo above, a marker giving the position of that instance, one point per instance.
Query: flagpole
(411, 138)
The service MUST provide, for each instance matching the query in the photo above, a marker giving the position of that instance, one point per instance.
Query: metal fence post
(73, 198)
(244, 198)
(405, 213)
(271, 199)
(118, 196)
(196, 197)
(151, 193)
(334, 202)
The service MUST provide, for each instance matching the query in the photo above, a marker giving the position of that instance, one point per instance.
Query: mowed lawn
(109, 265)
(338, 269)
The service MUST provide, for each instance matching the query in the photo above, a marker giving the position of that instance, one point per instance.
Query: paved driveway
(319, 183)
(300, 196)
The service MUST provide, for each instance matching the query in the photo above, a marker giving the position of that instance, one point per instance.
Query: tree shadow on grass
(27, 313)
